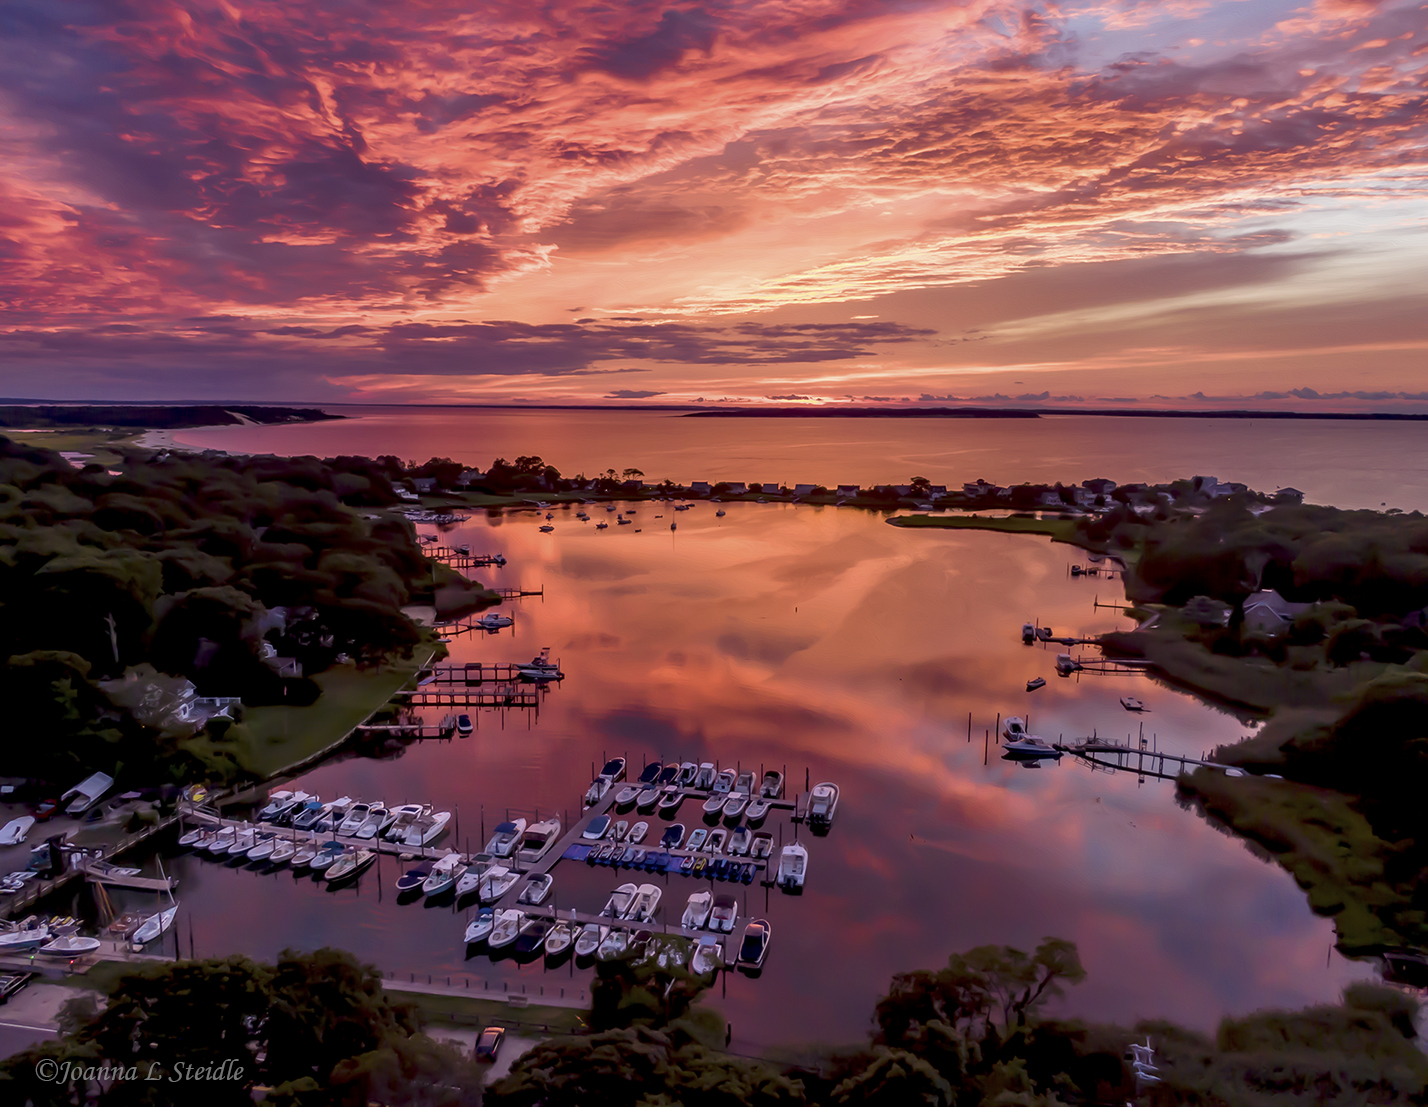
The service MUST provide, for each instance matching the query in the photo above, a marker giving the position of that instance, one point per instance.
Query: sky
(1173, 203)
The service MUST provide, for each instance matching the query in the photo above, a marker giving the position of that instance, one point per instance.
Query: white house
(1269, 613)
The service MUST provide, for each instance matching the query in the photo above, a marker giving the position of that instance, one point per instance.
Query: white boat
(355, 817)
(619, 830)
(696, 839)
(792, 866)
(71, 946)
(735, 804)
(771, 787)
(243, 841)
(722, 915)
(670, 798)
(619, 902)
(591, 935)
(705, 777)
(443, 874)
(349, 865)
(154, 926)
(757, 810)
(715, 842)
(559, 938)
(222, 840)
(627, 795)
(305, 855)
(637, 833)
(507, 836)
(263, 846)
(755, 946)
(541, 663)
(86, 793)
(614, 945)
(506, 929)
(427, 829)
(327, 856)
(688, 773)
(596, 792)
(280, 803)
(708, 956)
(495, 622)
(480, 926)
(376, 819)
(13, 832)
(719, 792)
(496, 882)
(642, 907)
(537, 841)
(1130, 703)
(696, 910)
(822, 803)
(402, 818)
(282, 851)
(30, 934)
(597, 829)
(739, 841)
(536, 889)
(192, 838)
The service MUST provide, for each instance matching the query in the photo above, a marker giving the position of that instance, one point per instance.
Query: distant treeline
(1026, 413)
(155, 418)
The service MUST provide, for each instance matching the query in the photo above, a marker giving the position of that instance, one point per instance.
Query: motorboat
(596, 792)
(470, 880)
(599, 825)
(708, 956)
(355, 817)
(278, 802)
(307, 813)
(696, 839)
(496, 882)
(30, 934)
(243, 841)
(792, 866)
(506, 838)
(191, 838)
(350, 865)
(755, 946)
(720, 789)
(619, 830)
(538, 840)
(1021, 745)
(443, 874)
(758, 809)
(650, 773)
(822, 804)
(536, 889)
(635, 857)
(739, 841)
(723, 913)
(688, 773)
(154, 926)
(668, 775)
(494, 621)
(546, 528)
(642, 907)
(305, 855)
(619, 902)
(413, 879)
(673, 954)
(327, 856)
(70, 946)
(627, 795)
(506, 929)
(426, 829)
(589, 939)
(670, 798)
(375, 820)
(480, 925)
(719, 868)
(1034, 683)
(283, 850)
(716, 840)
(222, 840)
(13, 832)
(263, 847)
(747, 872)
(540, 663)
(648, 796)
(696, 910)
(533, 934)
(1130, 703)
(628, 857)
(561, 935)
(621, 521)
(614, 770)
(614, 945)
(672, 836)
(736, 803)
(705, 777)
(686, 866)
(720, 513)
(402, 817)
(771, 787)
(637, 833)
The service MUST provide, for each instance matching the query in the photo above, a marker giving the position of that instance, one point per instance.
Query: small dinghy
(1036, 682)
(696, 911)
(154, 926)
(1130, 703)
(792, 866)
(480, 926)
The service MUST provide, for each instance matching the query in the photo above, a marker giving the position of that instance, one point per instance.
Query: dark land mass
(155, 417)
(1029, 413)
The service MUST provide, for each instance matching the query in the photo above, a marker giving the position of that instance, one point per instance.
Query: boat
(355, 817)
(1034, 683)
(263, 847)
(493, 622)
(546, 528)
(312, 814)
(597, 828)
(614, 770)
(561, 935)
(532, 935)
(480, 925)
(70, 946)
(642, 907)
(736, 803)
(638, 832)
(771, 787)
(673, 526)
(717, 840)
(376, 819)
(13, 832)
(123, 926)
(279, 804)
(538, 840)
(792, 866)
(506, 928)
(705, 777)
(708, 956)
(719, 791)
(719, 868)
(86, 793)
(670, 798)
(650, 773)
(688, 772)
(758, 809)
(305, 855)
(283, 850)
(755, 946)
(696, 839)
(668, 775)
(243, 841)
(672, 836)
(623, 521)
(648, 797)
(443, 874)
(723, 913)
(619, 902)
(1020, 745)
(327, 856)
(154, 926)
(822, 804)
(627, 795)
(402, 818)
(1130, 703)
(506, 838)
(194, 838)
(536, 889)
(614, 944)
(222, 840)
(591, 935)
(720, 513)
(496, 882)
(635, 857)
(426, 829)
(696, 910)
(540, 663)
(596, 792)
(739, 841)
(413, 878)
(470, 880)
(30, 934)
(1028, 633)
(350, 865)
(619, 830)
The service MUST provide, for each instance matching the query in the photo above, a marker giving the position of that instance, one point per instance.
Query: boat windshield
(752, 947)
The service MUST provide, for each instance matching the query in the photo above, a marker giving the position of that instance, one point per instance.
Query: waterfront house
(735, 487)
(1099, 486)
(1268, 613)
(849, 489)
(701, 487)
(804, 489)
(468, 477)
(424, 484)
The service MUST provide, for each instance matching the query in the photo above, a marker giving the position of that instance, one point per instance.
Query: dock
(98, 871)
(475, 672)
(458, 559)
(495, 695)
(211, 818)
(1139, 759)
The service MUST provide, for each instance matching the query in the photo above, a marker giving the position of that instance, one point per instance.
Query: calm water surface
(825, 640)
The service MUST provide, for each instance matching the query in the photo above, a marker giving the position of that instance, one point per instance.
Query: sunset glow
(1195, 202)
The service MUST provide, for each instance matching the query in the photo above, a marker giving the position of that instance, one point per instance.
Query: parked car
(489, 1044)
(12, 982)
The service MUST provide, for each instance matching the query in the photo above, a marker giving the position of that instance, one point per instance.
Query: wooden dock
(463, 560)
(475, 672)
(494, 695)
(1139, 759)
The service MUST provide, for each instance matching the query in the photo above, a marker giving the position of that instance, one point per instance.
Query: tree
(632, 474)
(894, 1079)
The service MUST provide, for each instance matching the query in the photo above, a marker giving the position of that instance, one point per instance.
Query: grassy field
(95, 441)
(458, 1010)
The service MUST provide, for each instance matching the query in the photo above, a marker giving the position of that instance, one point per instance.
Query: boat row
(665, 786)
(407, 824)
(60, 937)
(334, 860)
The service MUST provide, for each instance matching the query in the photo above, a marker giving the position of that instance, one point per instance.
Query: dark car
(489, 1043)
(12, 982)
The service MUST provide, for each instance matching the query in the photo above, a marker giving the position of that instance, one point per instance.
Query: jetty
(463, 559)
(1140, 759)
(495, 695)
(475, 672)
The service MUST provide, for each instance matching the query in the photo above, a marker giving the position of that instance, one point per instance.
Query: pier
(459, 559)
(1138, 759)
(496, 695)
(475, 672)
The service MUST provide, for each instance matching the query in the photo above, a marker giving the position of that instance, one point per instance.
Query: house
(736, 487)
(981, 488)
(1083, 497)
(937, 490)
(1268, 613)
(1215, 489)
(1206, 612)
(804, 489)
(468, 477)
(849, 489)
(1050, 498)
(701, 487)
(1293, 495)
(1099, 486)
(424, 484)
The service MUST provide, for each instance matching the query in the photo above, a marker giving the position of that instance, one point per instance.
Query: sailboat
(154, 926)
